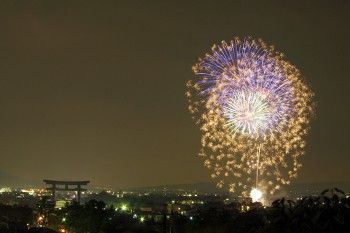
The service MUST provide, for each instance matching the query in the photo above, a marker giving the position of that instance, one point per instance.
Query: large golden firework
(253, 108)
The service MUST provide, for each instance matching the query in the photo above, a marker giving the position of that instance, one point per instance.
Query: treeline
(327, 213)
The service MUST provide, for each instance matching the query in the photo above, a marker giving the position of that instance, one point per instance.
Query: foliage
(327, 213)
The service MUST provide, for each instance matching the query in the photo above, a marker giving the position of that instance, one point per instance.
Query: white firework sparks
(247, 112)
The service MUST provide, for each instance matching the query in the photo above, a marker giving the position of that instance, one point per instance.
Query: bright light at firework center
(255, 194)
(248, 112)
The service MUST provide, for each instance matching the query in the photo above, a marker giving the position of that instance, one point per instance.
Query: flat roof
(68, 182)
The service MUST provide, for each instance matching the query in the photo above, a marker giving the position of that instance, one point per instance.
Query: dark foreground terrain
(329, 213)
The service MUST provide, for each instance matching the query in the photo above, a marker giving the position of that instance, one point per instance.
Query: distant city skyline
(96, 90)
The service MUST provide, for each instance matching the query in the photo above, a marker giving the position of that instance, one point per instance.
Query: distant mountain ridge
(306, 187)
(202, 187)
(320, 186)
(16, 182)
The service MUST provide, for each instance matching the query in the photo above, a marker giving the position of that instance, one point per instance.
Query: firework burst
(253, 109)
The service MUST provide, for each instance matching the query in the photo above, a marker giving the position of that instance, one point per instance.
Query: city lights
(124, 207)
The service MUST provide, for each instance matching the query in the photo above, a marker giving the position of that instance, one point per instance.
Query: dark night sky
(96, 90)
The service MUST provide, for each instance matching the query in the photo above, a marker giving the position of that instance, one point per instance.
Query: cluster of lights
(123, 207)
(5, 190)
(141, 218)
(41, 220)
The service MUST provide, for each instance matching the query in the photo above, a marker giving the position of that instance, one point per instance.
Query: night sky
(95, 90)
